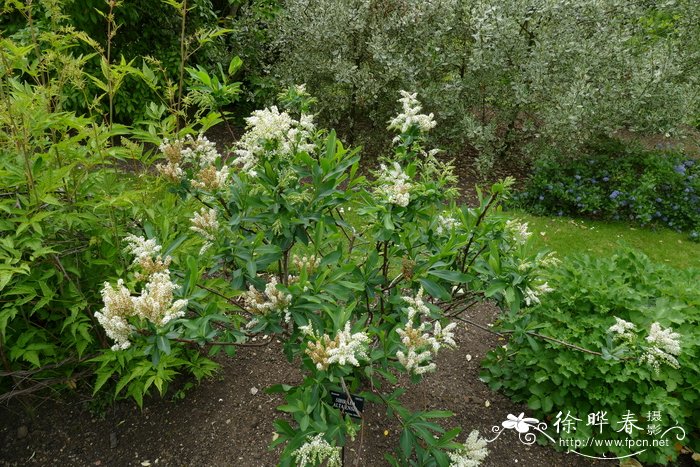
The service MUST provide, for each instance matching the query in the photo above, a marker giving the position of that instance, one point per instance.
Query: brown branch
(530, 333)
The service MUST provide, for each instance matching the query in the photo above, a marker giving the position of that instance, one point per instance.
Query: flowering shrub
(638, 324)
(362, 279)
(621, 183)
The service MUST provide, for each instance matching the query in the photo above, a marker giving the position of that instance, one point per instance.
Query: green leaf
(450, 276)
(434, 289)
(234, 66)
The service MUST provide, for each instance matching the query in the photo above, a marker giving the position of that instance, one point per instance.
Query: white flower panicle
(141, 248)
(350, 347)
(445, 224)
(416, 305)
(172, 150)
(623, 329)
(411, 116)
(117, 306)
(663, 344)
(266, 302)
(211, 179)
(154, 304)
(394, 185)
(315, 451)
(345, 348)
(664, 347)
(420, 345)
(198, 152)
(532, 295)
(271, 131)
(205, 223)
(546, 260)
(472, 454)
(146, 256)
(518, 231)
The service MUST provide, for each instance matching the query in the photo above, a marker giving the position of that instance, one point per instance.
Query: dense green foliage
(588, 294)
(618, 182)
(68, 197)
(506, 78)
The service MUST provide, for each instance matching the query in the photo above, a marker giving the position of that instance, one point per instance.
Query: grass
(569, 236)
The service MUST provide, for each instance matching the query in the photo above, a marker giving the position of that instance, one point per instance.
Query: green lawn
(569, 236)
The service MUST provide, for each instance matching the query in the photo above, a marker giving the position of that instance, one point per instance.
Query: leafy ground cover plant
(635, 324)
(362, 279)
(618, 182)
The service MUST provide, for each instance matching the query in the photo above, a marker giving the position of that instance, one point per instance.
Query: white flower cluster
(394, 185)
(623, 329)
(199, 153)
(345, 348)
(664, 344)
(205, 223)
(269, 301)
(118, 306)
(518, 231)
(310, 263)
(472, 454)
(211, 179)
(271, 131)
(532, 295)
(350, 347)
(420, 345)
(141, 248)
(155, 303)
(543, 260)
(445, 224)
(411, 115)
(316, 451)
(665, 347)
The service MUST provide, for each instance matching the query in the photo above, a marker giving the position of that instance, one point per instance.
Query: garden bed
(221, 422)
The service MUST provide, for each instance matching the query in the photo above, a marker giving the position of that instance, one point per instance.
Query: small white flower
(205, 223)
(411, 116)
(350, 347)
(622, 329)
(271, 300)
(315, 451)
(518, 231)
(445, 224)
(472, 454)
(394, 185)
(665, 346)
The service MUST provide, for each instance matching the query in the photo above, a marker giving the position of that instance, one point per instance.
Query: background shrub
(505, 78)
(588, 293)
(620, 182)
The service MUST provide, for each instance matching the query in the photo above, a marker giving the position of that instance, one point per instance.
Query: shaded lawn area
(569, 236)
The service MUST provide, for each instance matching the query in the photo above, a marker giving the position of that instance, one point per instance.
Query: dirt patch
(227, 420)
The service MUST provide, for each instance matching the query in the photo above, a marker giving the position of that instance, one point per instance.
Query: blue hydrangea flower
(614, 194)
